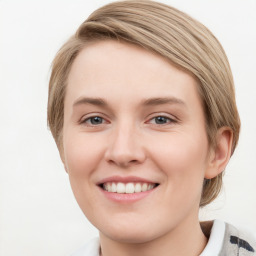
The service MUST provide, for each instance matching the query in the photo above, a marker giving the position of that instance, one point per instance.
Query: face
(134, 142)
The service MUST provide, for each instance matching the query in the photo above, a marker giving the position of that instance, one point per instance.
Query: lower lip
(126, 198)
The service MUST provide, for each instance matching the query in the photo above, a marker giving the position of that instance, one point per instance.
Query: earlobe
(220, 155)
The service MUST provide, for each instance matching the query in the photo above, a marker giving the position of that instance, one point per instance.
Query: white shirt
(212, 248)
(216, 239)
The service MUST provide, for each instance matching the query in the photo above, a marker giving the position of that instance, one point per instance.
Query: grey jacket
(237, 243)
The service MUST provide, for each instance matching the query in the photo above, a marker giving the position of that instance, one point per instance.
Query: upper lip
(125, 180)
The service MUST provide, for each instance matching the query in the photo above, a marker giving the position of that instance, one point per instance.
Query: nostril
(122, 162)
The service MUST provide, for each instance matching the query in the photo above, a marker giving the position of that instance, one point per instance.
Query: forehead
(111, 68)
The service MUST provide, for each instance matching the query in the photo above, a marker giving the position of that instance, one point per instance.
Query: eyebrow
(162, 101)
(92, 101)
(147, 102)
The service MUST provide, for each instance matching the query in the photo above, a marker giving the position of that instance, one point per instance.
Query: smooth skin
(130, 112)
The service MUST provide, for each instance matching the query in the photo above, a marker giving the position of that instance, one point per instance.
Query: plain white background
(38, 213)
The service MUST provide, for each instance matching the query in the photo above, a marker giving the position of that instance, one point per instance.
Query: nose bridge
(125, 146)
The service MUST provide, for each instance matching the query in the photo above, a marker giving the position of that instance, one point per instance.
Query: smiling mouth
(128, 188)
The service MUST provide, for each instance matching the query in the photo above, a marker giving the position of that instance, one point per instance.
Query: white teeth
(113, 187)
(127, 188)
(137, 188)
(109, 187)
(144, 187)
(105, 186)
(150, 186)
(120, 188)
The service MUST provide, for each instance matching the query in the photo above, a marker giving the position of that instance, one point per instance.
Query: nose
(125, 148)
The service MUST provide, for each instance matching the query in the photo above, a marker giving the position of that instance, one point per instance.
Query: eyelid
(172, 118)
(169, 121)
(91, 115)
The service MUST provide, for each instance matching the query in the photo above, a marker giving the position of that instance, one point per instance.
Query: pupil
(160, 120)
(96, 120)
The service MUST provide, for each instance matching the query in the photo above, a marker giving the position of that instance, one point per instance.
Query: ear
(220, 155)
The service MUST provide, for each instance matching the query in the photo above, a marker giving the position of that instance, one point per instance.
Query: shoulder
(91, 248)
(226, 240)
(237, 242)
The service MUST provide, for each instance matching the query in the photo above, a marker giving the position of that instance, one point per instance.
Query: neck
(182, 240)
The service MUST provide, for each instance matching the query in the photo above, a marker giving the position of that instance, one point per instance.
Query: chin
(132, 237)
(132, 234)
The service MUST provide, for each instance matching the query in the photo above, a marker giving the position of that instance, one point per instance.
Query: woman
(142, 109)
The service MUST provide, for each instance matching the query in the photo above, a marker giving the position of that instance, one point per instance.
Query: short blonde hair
(162, 29)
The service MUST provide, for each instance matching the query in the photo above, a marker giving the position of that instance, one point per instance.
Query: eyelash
(169, 120)
(90, 119)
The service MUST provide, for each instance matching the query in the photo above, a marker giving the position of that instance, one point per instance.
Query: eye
(94, 120)
(161, 120)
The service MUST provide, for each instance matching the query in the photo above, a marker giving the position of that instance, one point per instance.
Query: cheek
(182, 158)
(82, 153)
(183, 163)
(82, 156)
